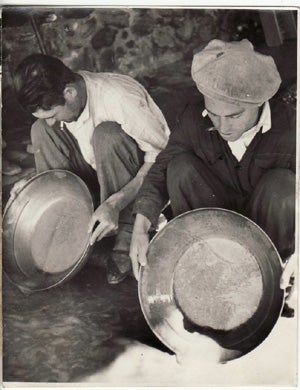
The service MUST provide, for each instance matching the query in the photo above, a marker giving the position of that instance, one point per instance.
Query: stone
(185, 32)
(205, 28)
(14, 17)
(130, 44)
(79, 31)
(107, 60)
(164, 37)
(76, 13)
(119, 51)
(124, 34)
(87, 28)
(142, 25)
(113, 17)
(27, 37)
(104, 37)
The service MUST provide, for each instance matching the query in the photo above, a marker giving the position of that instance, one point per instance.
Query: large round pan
(218, 271)
(45, 239)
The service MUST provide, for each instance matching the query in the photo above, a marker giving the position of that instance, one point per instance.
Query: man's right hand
(17, 188)
(139, 243)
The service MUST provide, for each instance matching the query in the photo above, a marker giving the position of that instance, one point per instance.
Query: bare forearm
(128, 193)
(142, 224)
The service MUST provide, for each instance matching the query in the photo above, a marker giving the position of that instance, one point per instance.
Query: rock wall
(153, 45)
(137, 42)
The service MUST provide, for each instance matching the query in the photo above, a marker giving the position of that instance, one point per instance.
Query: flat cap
(233, 72)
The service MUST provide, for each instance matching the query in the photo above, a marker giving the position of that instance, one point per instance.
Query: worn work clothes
(118, 98)
(118, 159)
(198, 169)
(239, 146)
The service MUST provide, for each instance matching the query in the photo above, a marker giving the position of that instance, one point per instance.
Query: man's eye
(236, 116)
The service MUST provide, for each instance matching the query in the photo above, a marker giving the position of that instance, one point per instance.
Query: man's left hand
(108, 218)
(289, 271)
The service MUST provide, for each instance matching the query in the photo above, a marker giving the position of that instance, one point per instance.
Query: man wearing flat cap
(234, 149)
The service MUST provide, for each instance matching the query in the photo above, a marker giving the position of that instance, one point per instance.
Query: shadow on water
(72, 330)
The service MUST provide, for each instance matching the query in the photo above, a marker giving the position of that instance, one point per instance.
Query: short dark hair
(40, 81)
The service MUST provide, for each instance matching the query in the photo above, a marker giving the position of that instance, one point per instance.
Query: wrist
(115, 202)
(142, 224)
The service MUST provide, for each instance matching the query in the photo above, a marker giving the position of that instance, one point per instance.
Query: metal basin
(45, 239)
(220, 272)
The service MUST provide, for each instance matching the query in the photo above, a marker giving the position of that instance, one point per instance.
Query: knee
(180, 169)
(107, 137)
(38, 133)
(279, 183)
(276, 189)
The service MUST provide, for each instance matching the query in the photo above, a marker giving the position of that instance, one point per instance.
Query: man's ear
(70, 92)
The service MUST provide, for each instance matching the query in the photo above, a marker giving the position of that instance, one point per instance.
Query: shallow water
(70, 331)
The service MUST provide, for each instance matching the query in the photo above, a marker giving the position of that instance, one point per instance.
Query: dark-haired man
(102, 126)
(235, 150)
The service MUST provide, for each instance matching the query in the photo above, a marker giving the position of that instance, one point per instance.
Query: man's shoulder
(114, 85)
(282, 135)
(191, 114)
(283, 116)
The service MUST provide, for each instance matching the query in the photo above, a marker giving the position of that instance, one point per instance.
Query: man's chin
(229, 138)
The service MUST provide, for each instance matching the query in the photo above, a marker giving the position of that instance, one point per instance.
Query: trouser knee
(180, 171)
(108, 137)
(39, 133)
(276, 188)
(272, 207)
(191, 184)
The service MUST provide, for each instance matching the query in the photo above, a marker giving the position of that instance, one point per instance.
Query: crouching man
(103, 127)
(234, 149)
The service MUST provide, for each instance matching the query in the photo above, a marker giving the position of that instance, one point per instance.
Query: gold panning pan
(220, 271)
(45, 230)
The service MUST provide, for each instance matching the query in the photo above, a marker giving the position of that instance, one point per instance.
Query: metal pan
(45, 239)
(220, 272)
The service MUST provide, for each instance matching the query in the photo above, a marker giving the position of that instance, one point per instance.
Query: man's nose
(224, 125)
(50, 121)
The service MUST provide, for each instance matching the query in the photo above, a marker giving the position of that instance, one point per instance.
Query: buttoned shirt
(239, 147)
(121, 99)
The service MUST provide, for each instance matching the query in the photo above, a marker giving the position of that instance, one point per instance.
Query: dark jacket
(273, 149)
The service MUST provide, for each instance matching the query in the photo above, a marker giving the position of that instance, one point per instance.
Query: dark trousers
(271, 205)
(118, 159)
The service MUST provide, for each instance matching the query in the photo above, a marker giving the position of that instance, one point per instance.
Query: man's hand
(108, 218)
(139, 243)
(17, 187)
(285, 281)
(191, 347)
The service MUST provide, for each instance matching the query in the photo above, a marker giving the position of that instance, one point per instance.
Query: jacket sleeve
(153, 195)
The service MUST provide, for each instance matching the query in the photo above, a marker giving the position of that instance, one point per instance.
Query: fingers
(92, 222)
(284, 281)
(142, 254)
(101, 231)
(133, 254)
(17, 187)
(288, 272)
(135, 264)
(138, 252)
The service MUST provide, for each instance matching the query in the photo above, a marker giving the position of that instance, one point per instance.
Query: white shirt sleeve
(140, 118)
